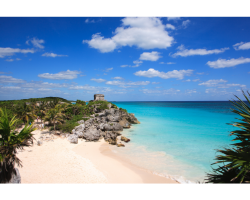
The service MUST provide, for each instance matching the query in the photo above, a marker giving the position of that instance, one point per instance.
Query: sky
(125, 58)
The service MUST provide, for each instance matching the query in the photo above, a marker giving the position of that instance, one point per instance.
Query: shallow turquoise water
(177, 138)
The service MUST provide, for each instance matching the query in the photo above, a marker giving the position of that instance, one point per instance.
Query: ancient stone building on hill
(99, 97)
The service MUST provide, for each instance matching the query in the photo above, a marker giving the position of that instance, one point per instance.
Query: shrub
(80, 102)
(124, 110)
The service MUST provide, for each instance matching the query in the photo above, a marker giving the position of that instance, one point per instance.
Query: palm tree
(24, 112)
(10, 142)
(236, 160)
(55, 115)
(42, 109)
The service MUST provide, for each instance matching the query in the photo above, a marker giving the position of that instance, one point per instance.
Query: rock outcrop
(124, 139)
(106, 123)
(92, 134)
(73, 138)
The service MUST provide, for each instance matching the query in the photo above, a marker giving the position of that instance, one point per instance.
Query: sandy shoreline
(59, 161)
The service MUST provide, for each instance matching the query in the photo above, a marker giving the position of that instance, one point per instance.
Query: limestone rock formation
(92, 134)
(73, 138)
(120, 145)
(106, 123)
(124, 139)
(78, 130)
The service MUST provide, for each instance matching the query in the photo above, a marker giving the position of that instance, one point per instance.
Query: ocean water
(177, 139)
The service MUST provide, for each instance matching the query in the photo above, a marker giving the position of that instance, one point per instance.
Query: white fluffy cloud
(9, 60)
(98, 80)
(98, 42)
(11, 87)
(41, 84)
(91, 89)
(152, 56)
(169, 91)
(191, 52)
(213, 83)
(127, 84)
(173, 18)
(168, 63)
(10, 79)
(179, 74)
(36, 43)
(188, 91)
(118, 78)
(185, 23)
(89, 21)
(223, 63)
(142, 32)
(53, 55)
(137, 63)
(108, 69)
(220, 83)
(60, 75)
(242, 46)
(170, 26)
(10, 51)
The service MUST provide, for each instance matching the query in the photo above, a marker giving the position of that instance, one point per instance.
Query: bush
(80, 102)
(68, 126)
(123, 110)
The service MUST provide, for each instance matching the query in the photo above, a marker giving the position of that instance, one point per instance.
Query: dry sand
(59, 161)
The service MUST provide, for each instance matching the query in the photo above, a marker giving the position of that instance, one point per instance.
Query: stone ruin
(99, 97)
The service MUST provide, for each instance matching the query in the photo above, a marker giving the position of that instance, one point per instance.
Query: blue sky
(130, 59)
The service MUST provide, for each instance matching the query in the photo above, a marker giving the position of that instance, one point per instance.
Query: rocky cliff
(107, 124)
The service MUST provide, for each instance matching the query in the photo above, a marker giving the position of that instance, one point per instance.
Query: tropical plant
(10, 142)
(236, 160)
(41, 109)
(80, 102)
(24, 112)
(55, 115)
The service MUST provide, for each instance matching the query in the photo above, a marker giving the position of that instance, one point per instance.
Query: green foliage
(235, 160)
(124, 110)
(10, 142)
(83, 103)
(55, 115)
(114, 106)
(69, 125)
(96, 115)
(100, 105)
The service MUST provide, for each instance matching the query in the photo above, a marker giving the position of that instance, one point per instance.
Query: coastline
(59, 161)
(114, 167)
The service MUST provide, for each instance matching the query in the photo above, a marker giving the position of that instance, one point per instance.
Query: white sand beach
(59, 161)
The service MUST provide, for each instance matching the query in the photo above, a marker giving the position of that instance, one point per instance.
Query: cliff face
(107, 124)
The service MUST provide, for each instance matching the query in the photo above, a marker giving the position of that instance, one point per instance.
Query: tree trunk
(54, 126)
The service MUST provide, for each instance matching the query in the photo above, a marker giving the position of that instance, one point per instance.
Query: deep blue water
(177, 138)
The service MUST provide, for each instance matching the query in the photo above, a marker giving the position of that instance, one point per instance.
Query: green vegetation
(235, 160)
(123, 110)
(83, 103)
(10, 142)
(59, 112)
(55, 115)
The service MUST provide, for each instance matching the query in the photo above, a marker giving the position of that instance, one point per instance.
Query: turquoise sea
(177, 139)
